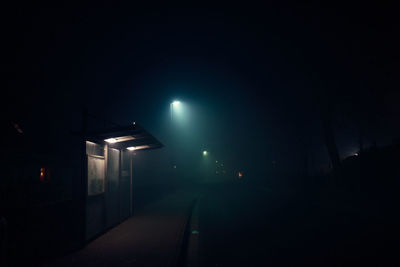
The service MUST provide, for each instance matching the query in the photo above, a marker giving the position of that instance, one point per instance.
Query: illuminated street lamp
(173, 107)
(174, 104)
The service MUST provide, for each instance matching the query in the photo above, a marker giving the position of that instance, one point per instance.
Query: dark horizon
(271, 69)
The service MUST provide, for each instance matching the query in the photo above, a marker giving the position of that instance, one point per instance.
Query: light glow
(42, 175)
(132, 148)
(45, 175)
(119, 139)
(141, 147)
(91, 143)
(205, 153)
(175, 103)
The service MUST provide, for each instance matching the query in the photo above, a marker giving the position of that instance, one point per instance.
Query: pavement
(238, 225)
(152, 237)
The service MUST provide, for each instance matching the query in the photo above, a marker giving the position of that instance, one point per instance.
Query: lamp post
(206, 163)
(174, 104)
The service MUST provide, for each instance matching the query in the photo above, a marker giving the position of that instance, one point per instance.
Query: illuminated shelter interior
(109, 175)
(125, 137)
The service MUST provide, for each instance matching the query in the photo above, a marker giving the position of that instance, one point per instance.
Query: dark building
(61, 184)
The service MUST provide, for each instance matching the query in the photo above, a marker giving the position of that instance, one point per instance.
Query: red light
(44, 175)
(240, 175)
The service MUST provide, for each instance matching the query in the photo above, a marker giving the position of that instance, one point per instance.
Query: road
(244, 226)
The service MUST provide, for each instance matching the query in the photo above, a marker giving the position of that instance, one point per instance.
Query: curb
(191, 254)
(183, 238)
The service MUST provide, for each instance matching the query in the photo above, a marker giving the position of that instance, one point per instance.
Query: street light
(174, 104)
(173, 107)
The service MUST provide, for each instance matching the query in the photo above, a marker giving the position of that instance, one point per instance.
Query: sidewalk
(152, 237)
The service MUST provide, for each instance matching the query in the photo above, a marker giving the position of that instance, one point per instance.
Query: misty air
(188, 136)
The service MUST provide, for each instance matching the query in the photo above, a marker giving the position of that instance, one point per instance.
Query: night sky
(254, 78)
